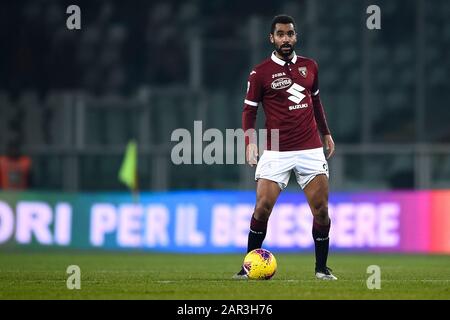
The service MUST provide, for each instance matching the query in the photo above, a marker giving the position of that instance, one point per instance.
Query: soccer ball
(260, 264)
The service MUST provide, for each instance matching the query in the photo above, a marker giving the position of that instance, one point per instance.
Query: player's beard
(285, 53)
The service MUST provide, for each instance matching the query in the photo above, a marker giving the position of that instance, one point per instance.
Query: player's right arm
(252, 99)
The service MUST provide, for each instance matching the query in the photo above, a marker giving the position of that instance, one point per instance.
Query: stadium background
(140, 69)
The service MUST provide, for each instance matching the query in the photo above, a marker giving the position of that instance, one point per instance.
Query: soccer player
(287, 85)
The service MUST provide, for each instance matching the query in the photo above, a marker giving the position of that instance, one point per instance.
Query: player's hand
(329, 145)
(252, 154)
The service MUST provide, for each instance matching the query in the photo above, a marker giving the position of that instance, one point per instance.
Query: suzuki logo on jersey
(296, 93)
(298, 106)
(281, 83)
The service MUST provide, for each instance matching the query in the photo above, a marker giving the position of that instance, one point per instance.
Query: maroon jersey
(289, 93)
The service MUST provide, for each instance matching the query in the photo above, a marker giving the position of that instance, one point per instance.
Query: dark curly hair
(282, 18)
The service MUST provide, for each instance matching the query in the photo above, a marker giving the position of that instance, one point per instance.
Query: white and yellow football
(260, 264)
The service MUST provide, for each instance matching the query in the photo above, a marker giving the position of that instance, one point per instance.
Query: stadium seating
(123, 50)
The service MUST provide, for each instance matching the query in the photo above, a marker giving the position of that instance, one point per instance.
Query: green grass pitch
(168, 276)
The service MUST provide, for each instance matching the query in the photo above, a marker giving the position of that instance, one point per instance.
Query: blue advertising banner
(213, 221)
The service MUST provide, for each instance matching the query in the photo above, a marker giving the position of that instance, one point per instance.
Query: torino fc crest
(303, 71)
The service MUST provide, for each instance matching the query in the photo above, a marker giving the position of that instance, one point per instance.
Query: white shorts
(277, 165)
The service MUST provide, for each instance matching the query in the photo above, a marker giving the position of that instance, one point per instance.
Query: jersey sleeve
(254, 90)
(315, 86)
(319, 112)
(251, 101)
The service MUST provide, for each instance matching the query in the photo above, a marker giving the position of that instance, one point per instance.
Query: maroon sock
(321, 242)
(257, 234)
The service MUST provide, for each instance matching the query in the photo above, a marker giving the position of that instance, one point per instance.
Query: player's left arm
(319, 114)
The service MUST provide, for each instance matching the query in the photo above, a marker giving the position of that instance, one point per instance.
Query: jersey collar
(282, 62)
